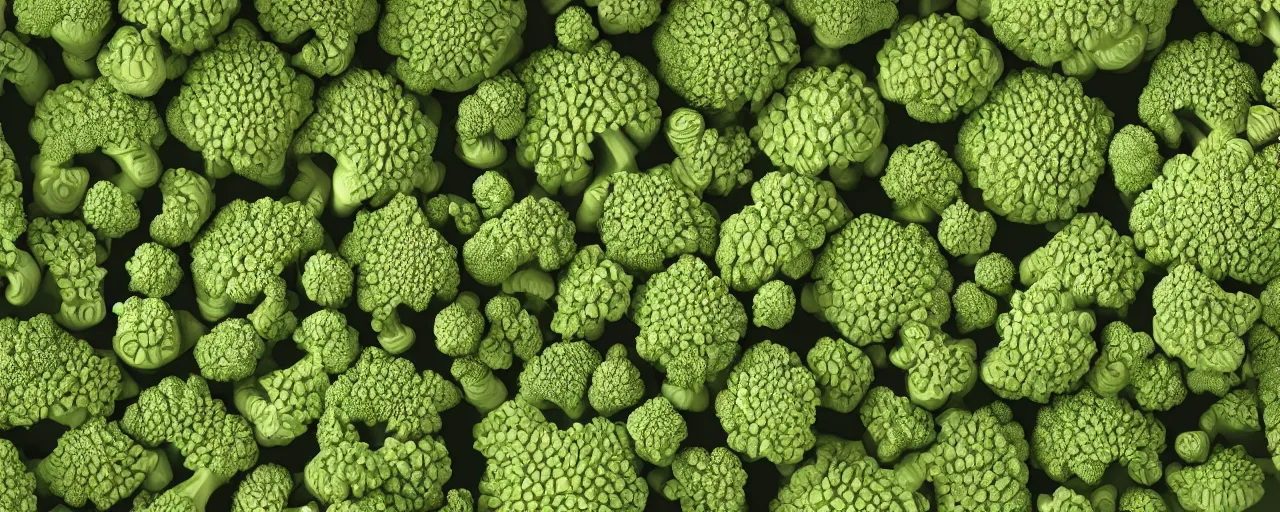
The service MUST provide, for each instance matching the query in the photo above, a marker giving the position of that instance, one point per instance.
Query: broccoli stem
(312, 187)
(657, 480)
(1270, 26)
(31, 76)
(685, 399)
(22, 277)
(199, 488)
(57, 189)
(531, 282)
(393, 336)
(160, 474)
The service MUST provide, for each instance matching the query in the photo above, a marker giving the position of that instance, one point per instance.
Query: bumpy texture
(19, 492)
(593, 291)
(769, 405)
(773, 305)
(333, 25)
(937, 67)
(994, 273)
(153, 270)
(110, 211)
(96, 462)
(1203, 77)
(559, 376)
(183, 414)
(648, 218)
(939, 368)
(1247, 21)
(626, 16)
(1036, 148)
(1199, 323)
(493, 193)
(705, 481)
(921, 180)
(533, 231)
(450, 46)
(844, 477)
(381, 389)
(51, 374)
(974, 308)
(840, 23)
(1128, 360)
(1229, 480)
(229, 352)
(187, 203)
(266, 489)
(1215, 208)
(327, 279)
(188, 26)
(708, 160)
(842, 371)
(1095, 263)
(1081, 434)
(493, 113)
(893, 424)
(77, 25)
(1134, 158)
(1046, 344)
(13, 219)
(721, 55)
(978, 462)
(615, 384)
(965, 232)
(657, 430)
(68, 252)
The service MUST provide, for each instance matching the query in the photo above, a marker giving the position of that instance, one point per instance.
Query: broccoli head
(592, 291)
(1064, 499)
(459, 326)
(615, 384)
(1128, 361)
(1247, 21)
(708, 160)
(326, 335)
(267, 489)
(450, 46)
(994, 272)
(965, 232)
(773, 305)
(480, 387)
(937, 67)
(110, 211)
(1199, 323)
(978, 461)
(78, 26)
(974, 308)
(940, 369)
(657, 430)
(1228, 480)
(624, 16)
(333, 27)
(187, 26)
(230, 351)
(769, 405)
(24, 68)
(282, 403)
(843, 477)
(19, 490)
(198, 426)
(493, 113)
(513, 330)
(1135, 160)
(842, 371)
(894, 425)
(13, 218)
(706, 481)
(841, 23)
(382, 389)
(150, 334)
(921, 180)
(647, 218)
(1202, 78)
(69, 253)
(559, 376)
(153, 270)
(1082, 434)
(327, 279)
(534, 230)
(1095, 263)
(187, 202)
(96, 462)
(493, 193)
(1046, 344)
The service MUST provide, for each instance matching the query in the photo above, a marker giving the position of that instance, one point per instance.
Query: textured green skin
(334, 24)
(937, 68)
(657, 430)
(182, 414)
(1199, 323)
(1093, 260)
(1203, 77)
(978, 462)
(922, 180)
(773, 305)
(1135, 159)
(615, 384)
(381, 389)
(1229, 480)
(939, 368)
(649, 218)
(592, 292)
(837, 480)
(707, 481)
(783, 398)
(1082, 434)
(18, 492)
(483, 37)
(843, 373)
(154, 270)
(55, 376)
(840, 23)
(230, 351)
(1043, 318)
(534, 230)
(894, 425)
(1128, 361)
(1245, 21)
(96, 462)
(68, 250)
(559, 376)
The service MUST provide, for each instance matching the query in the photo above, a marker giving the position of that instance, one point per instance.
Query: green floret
(458, 500)
(459, 326)
(708, 160)
(188, 27)
(1229, 480)
(876, 274)
(1139, 499)
(1036, 148)
(1269, 300)
(379, 137)
(1199, 323)
(791, 217)
(994, 273)
(1063, 499)
(824, 119)
(893, 424)
(24, 68)
(1201, 381)
(937, 67)
(267, 489)
(592, 291)
(1094, 262)
(704, 481)
(647, 218)
(450, 46)
(1264, 368)
(150, 334)
(1082, 434)
(21, 274)
(558, 377)
(197, 426)
(1135, 160)
(843, 373)
(1128, 363)
(78, 26)
(974, 309)
(1247, 21)
(333, 28)
(1111, 35)
(492, 114)
(442, 208)
(689, 329)
(1235, 417)
(575, 98)
(67, 251)
(596, 455)
(657, 430)
(769, 405)
(401, 475)
(18, 489)
(574, 30)
(921, 180)
(110, 211)
(773, 305)
(480, 387)
(399, 260)
(136, 64)
(513, 330)
(230, 351)
(532, 230)
(844, 477)
(187, 203)
(89, 116)
(96, 462)
(615, 384)
(282, 403)
(1214, 208)
(1204, 79)
(153, 270)
(493, 194)
(978, 462)
(966, 233)
(239, 106)
(625, 16)
(382, 389)
(940, 369)
(327, 279)
(1044, 319)
(192, 495)
(721, 55)
(13, 218)
(326, 335)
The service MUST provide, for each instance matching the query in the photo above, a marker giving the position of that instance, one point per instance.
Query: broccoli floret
(1201, 381)
(1140, 499)
(386, 390)
(480, 387)
(1248, 22)
(824, 119)
(458, 500)
(406, 475)
(1199, 323)
(512, 330)
(459, 326)
(110, 211)
(135, 63)
(450, 47)
(593, 290)
(1128, 361)
(841, 23)
(66, 249)
(153, 270)
(624, 16)
(379, 137)
(197, 425)
(1135, 160)
(721, 55)
(1111, 35)
(282, 403)
(1064, 499)
(21, 274)
(773, 305)
(966, 233)
(267, 489)
(326, 335)
(18, 492)
(1083, 433)
(327, 279)
(1269, 301)
(88, 116)
(994, 273)
(921, 180)
(647, 218)
(978, 462)
(843, 373)
(974, 309)
(78, 26)
(791, 217)
(575, 31)
(493, 194)
(894, 425)
(939, 369)
(239, 106)
(842, 477)
(689, 329)
(1264, 364)
(492, 114)
(874, 275)
(192, 494)
(1214, 209)
(615, 384)
(708, 160)
(1228, 480)
(273, 318)
(618, 104)
(24, 68)
(657, 430)
(769, 405)
(150, 334)
(333, 27)
(936, 67)
(187, 203)
(441, 209)
(1234, 417)
(598, 455)
(533, 230)
(230, 351)
(1032, 165)
(399, 260)
(13, 218)
(558, 377)
(1094, 262)
(704, 481)
(1043, 319)
(96, 462)
(1202, 78)
(53, 375)
(187, 27)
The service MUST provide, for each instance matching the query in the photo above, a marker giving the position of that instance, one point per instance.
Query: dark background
(1120, 92)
